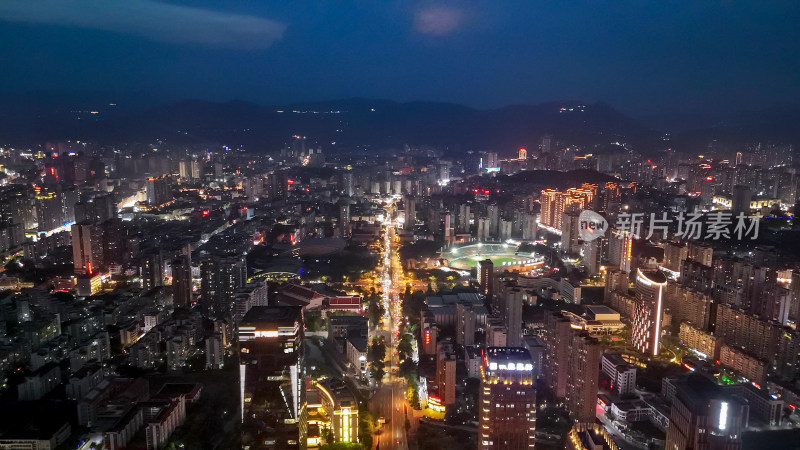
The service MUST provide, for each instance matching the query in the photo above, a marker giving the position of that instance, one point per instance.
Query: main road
(390, 401)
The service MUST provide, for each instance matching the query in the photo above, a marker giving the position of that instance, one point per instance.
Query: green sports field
(469, 262)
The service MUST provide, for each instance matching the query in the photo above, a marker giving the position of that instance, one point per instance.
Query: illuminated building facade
(648, 311)
(507, 406)
(589, 436)
(340, 409)
(704, 418)
(272, 370)
(554, 203)
(485, 272)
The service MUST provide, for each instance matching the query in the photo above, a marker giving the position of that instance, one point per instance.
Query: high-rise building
(582, 376)
(215, 352)
(649, 311)
(554, 203)
(674, 255)
(703, 417)
(181, 282)
(570, 231)
(219, 279)
(158, 190)
(87, 248)
(348, 184)
(620, 248)
(509, 308)
(465, 324)
(114, 252)
(700, 252)
(529, 227)
(446, 373)
(344, 218)
(55, 207)
(410, 211)
(272, 378)
(592, 255)
(507, 403)
(557, 331)
(686, 304)
(485, 272)
(483, 229)
(548, 202)
(493, 212)
(15, 205)
(151, 270)
(742, 195)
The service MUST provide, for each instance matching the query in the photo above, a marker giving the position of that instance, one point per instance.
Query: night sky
(643, 57)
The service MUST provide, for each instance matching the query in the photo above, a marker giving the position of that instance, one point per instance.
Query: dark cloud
(149, 19)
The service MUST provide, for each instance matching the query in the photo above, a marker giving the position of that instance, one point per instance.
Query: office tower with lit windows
(703, 417)
(507, 400)
(648, 311)
(181, 282)
(271, 377)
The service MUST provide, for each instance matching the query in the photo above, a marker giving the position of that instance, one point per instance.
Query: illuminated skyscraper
(648, 312)
(507, 406)
(272, 371)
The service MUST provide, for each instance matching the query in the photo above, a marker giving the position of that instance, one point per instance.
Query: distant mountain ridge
(361, 124)
(347, 124)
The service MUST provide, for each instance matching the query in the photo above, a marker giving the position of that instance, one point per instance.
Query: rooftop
(600, 309)
(501, 355)
(273, 315)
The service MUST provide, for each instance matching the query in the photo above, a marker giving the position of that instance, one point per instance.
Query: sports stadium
(504, 256)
